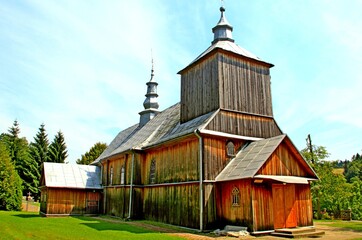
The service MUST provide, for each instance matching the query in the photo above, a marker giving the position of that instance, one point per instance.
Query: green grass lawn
(23, 225)
(353, 225)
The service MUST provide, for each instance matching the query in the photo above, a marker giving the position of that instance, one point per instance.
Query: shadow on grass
(27, 215)
(107, 226)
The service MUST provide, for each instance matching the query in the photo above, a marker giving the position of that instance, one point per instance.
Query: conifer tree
(10, 182)
(57, 151)
(25, 166)
(39, 148)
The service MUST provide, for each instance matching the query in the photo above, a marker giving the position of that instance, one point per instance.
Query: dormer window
(230, 149)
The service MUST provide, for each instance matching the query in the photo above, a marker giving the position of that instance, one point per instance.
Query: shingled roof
(62, 175)
(163, 127)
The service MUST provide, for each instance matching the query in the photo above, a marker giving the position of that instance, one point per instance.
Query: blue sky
(81, 66)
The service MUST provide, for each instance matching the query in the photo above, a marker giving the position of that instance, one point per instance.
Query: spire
(150, 104)
(223, 30)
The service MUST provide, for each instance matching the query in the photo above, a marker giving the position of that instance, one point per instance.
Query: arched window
(235, 194)
(122, 175)
(111, 176)
(230, 149)
(153, 172)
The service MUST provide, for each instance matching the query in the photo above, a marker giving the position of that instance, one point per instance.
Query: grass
(352, 225)
(24, 225)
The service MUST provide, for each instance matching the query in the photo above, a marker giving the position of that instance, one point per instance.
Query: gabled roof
(249, 160)
(62, 175)
(163, 127)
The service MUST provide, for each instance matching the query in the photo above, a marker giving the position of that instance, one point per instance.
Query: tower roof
(223, 40)
(150, 104)
(223, 30)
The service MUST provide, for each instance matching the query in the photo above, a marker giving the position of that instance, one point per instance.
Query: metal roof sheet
(163, 127)
(249, 160)
(71, 176)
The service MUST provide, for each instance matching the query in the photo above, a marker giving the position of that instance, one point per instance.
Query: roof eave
(201, 57)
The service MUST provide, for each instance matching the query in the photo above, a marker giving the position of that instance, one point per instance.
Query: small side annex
(69, 189)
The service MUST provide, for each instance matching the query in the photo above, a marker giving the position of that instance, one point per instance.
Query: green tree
(354, 168)
(19, 152)
(332, 191)
(39, 148)
(10, 182)
(356, 198)
(318, 154)
(57, 151)
(92, 154)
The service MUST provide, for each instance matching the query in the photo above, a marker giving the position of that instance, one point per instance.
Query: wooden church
(217, 157)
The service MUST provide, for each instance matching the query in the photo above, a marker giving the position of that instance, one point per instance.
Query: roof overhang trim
(286, 179)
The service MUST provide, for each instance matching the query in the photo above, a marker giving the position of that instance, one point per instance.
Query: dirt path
(330, 232)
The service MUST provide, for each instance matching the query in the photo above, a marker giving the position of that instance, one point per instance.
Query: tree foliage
(92, 154)
(335, 191)
(10, 182)
(57, 151)
(19, 152)
(39, 148)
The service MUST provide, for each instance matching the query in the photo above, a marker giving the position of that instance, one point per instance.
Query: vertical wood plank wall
(262, 207)
(304, 205)
(282, 162)
(223, 80)
(215, 157)
(244, 124)
(199, 85)
(237, 215)
(178, 204)
(117, 201)
(244, 85)
(68, 201)
(176, 162)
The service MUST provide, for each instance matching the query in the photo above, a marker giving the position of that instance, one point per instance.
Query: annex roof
(163, 127)
(250, 159)
(62, 175)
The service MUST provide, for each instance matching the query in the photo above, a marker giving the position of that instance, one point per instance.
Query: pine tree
(57, 151)
(25, 166)
(39, 148)
(92, 154)
(10, 182)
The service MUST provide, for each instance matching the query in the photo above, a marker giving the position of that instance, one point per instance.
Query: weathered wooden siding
(69, 201)
(117, 201)
(116, 163)
(262, 205)
(177, 204)
(215, 156)
(177, 162)
(226, 81)
(210, 206)
(304, 205)
(244, 85)
(199, 89)
(238, 215)
(244, 124)
(283, 162)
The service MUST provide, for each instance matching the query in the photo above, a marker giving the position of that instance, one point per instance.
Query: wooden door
(92, 205)
(284, 206)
